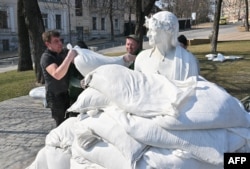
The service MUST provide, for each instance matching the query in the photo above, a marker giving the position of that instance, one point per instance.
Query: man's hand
(71, 55)
(129, 58)
(82, 83)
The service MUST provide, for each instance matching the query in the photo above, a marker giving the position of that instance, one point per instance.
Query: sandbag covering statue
(160, 115)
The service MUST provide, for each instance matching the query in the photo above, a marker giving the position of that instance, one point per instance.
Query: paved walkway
(24, 122)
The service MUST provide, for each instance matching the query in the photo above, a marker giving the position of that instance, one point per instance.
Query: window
(94, 26)
(116, 24)
(115, 4)
(78, 4)
(58, 22)
(6, 45)
(45, 20)
(103, 24)
(50, 0)
(3, 20)
(93, 3)
(79, 30)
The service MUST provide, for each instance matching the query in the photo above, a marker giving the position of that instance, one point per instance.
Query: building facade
(74, 19)
(8, 25)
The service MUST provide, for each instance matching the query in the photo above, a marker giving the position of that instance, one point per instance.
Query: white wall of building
(59, 8)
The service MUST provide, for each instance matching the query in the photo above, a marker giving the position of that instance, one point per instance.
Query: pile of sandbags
(132, 120)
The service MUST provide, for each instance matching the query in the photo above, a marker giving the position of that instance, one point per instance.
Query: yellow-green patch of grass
(115, 54)
(226, 48)
(14, 84)
(232, 75)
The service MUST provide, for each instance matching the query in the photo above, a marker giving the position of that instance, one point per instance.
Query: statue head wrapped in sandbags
(166, 25)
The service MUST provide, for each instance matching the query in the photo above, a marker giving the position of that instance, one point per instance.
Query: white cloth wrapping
(103, 154)
(51, 157)
(39, 93)
(89, 99)
(62, 136)
(109, 130)
(199, 143)
(161, 158)
(138, 131)
(138, 93)
(87, 60)
(81, 163)
(210, 107)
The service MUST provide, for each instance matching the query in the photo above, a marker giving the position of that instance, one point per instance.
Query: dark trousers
(58, 103)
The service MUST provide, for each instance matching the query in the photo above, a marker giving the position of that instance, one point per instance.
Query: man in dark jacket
(55, 63)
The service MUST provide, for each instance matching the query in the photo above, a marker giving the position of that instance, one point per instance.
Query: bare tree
(232, 9)
(110, 8)
(142, 9)
(185, 8)
(246, 19)
(215, 32)
(129, 9)
(110, 13)
(24, 53)
(31, 14)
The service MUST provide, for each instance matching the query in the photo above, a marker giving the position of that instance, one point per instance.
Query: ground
(231, 75)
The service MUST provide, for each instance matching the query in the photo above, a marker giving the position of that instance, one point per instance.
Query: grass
(234, 76)
(14, 84)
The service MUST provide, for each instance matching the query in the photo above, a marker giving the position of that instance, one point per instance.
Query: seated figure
(166, 57)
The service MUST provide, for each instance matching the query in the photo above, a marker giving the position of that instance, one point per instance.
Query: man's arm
(58, 72)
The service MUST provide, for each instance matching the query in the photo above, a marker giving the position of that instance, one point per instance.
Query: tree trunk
(215, 32)
(112, 37)
(141, 12)
(34, 22)
(129, 20)
(139, 21)
(247, 23)
(25, 61)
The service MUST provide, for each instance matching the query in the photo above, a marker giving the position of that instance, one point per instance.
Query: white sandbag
(108, 129)
(244, 133)
(173, 159)
(62, 136)
(40, 161)
(89, 99)
(76, 163)
(210, 107)
(57, 150)
(103, 154)
(51, 158)
(57, 158)
(138, 93)
(38, 92)
(210, 56)
(219, 58)
(199, 143)
(87, 60)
